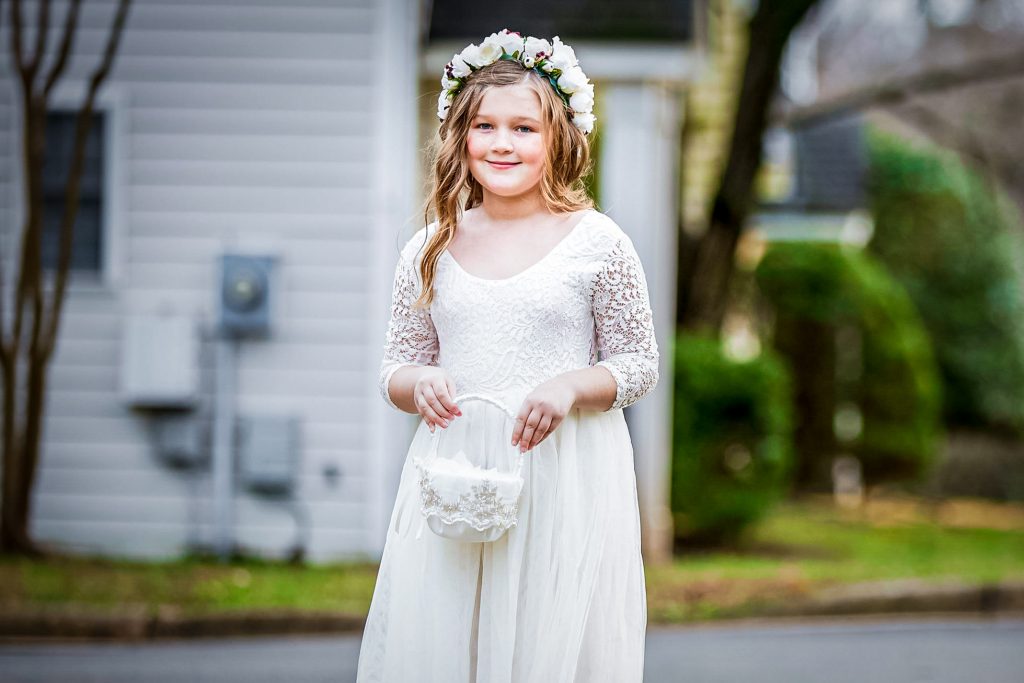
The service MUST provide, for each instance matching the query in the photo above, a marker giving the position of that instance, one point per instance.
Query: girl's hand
(542, 411)
(432, 395)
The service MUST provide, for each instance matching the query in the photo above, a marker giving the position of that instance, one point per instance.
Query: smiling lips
(500, 164)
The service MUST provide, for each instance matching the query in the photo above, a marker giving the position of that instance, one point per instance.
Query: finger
(446, 402)
(517, 433)
(435, 403)
(542, 431)
(450, 389)
(528, 430)
(427, 412)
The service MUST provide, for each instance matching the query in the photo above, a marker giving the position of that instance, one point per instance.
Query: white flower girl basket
(470, 484)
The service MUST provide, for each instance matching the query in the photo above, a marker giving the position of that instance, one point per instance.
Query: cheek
(475, 147)
(534, 152)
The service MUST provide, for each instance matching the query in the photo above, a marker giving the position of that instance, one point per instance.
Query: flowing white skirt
(560, 598)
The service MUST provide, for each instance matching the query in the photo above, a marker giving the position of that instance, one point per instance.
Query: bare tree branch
(3, 354)
(82, 124)
(16, 46)
(901, 89)
(67, 40)
(42, 33)
(703, 288)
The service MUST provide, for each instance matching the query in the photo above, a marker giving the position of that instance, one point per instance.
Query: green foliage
(883, 363)
(731, 442)
(941, 231)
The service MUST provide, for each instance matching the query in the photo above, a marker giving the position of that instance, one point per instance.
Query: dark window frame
(87, 256)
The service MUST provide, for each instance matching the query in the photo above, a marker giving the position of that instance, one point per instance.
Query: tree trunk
(22, 429)
(810, 347)
(703, 288)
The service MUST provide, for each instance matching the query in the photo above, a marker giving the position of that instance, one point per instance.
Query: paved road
(908, 651)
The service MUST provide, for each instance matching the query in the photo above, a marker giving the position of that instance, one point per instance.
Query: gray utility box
(245, 296)
(160, 362)
(183, 439)
(268, 453)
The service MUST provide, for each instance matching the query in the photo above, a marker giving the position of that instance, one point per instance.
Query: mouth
(502, 164)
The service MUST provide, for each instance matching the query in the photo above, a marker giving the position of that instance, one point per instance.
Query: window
(87, 248)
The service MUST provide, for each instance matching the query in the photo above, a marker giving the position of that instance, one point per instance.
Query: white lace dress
(560, 598)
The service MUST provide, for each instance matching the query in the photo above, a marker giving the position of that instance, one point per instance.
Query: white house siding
(241, 123)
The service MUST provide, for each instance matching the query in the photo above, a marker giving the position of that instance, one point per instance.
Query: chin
(508, 192)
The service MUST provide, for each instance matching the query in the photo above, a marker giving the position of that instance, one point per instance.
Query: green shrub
(854, 340)
(941, 230)
(731, 443)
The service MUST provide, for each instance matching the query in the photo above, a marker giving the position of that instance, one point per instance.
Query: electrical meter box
(245, 294)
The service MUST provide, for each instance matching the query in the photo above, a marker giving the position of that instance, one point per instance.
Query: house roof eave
(618, 61)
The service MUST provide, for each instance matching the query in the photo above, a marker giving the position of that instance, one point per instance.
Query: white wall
(241, 123)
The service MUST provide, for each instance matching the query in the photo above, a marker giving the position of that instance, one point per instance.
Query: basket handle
(435, 435)
(489, 399)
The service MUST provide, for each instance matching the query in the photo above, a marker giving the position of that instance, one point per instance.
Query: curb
(905, 596)
(138, 625)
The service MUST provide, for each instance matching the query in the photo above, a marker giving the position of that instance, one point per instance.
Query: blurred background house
(255, 167)
(259, 164)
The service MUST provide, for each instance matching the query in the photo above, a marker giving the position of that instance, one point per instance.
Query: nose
(502, 140)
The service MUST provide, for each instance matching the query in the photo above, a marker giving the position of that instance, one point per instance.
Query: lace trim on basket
(481, 508)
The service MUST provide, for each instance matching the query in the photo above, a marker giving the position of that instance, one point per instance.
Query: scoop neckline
(534, 265)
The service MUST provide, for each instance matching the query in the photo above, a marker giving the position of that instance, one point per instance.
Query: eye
(482, 124)
(528, 129)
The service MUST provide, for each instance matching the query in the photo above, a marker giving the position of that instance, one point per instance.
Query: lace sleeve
(411, 338)
(624, 324)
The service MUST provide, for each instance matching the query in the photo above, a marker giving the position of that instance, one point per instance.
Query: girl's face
(505, 143)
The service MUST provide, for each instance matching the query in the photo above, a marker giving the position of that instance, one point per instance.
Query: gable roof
(572, 20)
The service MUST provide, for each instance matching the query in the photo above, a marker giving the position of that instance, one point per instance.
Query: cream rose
(490, 52)
(459, 68)
(562, 56)
(510, 42)
(581, 101)
(444, 101)
(572, 79)
(471, 55)
(534, 46)
(585, 122)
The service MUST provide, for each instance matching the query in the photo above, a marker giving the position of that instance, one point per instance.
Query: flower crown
(555, 61)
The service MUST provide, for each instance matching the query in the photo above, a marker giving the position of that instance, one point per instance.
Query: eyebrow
(514, 118)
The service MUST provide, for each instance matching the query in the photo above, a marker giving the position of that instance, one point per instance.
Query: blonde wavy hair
(452, 184)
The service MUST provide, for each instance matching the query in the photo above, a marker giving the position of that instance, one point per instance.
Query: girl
(521, 290)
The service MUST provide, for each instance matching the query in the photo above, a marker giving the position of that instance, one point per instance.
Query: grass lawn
(798, 548)
(805, 546)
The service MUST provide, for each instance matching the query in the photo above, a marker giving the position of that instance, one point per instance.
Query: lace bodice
(584, 303)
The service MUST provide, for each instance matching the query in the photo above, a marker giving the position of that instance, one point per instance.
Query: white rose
(510, 42)
(444, 101)
(448, 83)
(547, 66)
(587, 87)
(562, 56)
(585, 122)
(459, 68)
(490, 52)
(471, 55)
(537, 45)
(572, 79)
(581, 101)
